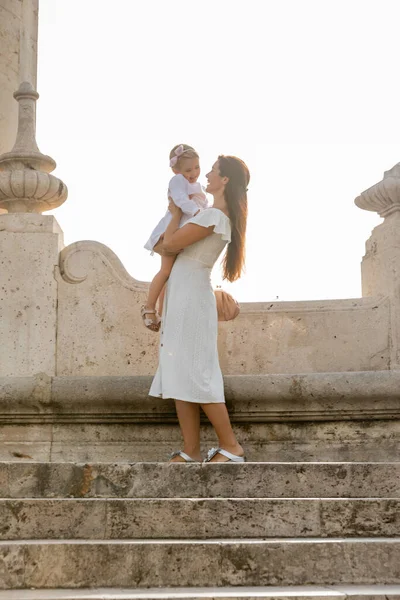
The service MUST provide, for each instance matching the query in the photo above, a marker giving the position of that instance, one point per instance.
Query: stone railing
(100, 330)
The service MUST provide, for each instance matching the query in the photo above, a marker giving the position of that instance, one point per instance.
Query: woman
(188, 369)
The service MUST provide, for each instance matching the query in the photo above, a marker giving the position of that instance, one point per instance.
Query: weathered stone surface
(284, 337)
(244, 518)
(97, 299)
(25, 394)
(250, 399)
(257, 450)
(4, 485)
(164, 480)
(12, 567)
(25, 451)
(360, 518)
(122, 563)
(28, 294)
(360, 441)
(21, 433)
(52, 519)
(213, 563)
(318, 562)
(29, 480)
(197, 518)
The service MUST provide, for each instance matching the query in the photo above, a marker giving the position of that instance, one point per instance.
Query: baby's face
(190, 169)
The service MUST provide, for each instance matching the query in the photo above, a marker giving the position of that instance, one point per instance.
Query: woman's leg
(158, 283)
(218, 415)
(189, 422)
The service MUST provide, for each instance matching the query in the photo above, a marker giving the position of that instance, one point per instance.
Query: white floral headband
(178, 153)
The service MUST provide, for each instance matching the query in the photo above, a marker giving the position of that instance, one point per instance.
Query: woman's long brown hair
(236, 200)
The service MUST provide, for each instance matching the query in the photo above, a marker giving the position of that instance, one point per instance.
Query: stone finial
(383, 197)
(25, 181)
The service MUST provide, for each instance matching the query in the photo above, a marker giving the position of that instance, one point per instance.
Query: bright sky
(305, 92)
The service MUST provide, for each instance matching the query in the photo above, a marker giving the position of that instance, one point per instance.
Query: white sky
(305, 91)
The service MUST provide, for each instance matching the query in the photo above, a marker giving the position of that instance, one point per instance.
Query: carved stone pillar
(18, 61)
(30, 244)
(380, 268)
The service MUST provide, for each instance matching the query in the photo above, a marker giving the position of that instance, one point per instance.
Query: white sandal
(183, 455)
(231, 457)
(149, 323)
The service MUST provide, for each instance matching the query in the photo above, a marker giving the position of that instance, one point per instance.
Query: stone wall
(100, 330)
(75, 311)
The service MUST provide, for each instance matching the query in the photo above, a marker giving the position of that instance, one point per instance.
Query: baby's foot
(151, 318)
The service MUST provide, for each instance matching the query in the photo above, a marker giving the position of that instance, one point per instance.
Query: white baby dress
(180, 189)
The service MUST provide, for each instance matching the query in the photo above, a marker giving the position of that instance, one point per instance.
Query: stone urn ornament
(26, 185)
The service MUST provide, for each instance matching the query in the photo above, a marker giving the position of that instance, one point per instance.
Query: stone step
(342, 417)
(164, 480)
(338, 592)
(163, 563)
(197, 518)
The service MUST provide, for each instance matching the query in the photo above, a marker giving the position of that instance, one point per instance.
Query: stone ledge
(306, 592)
(339, 592)
(367, 395)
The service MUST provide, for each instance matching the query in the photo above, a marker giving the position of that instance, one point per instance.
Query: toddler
(188, 194)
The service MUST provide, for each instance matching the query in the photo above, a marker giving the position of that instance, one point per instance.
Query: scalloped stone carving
(383, 197)
(76, 264)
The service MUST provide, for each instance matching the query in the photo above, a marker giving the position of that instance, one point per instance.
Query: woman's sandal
(231, 457)
(149, 323)
(183, 455)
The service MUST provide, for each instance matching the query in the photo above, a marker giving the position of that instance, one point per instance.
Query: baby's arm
(179, 194)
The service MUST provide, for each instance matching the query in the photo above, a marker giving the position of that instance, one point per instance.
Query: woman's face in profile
(214, 179)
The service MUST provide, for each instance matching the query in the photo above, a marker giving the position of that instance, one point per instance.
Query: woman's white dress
(188, 366)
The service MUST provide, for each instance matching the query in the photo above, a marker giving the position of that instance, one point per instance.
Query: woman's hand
(173, 208)
(158, 248)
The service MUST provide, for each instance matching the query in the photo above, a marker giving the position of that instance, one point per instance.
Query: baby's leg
(161, 300)
(156, 286)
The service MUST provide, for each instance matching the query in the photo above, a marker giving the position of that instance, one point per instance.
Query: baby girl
(188, 194)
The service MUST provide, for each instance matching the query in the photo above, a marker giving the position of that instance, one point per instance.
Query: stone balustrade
(75, 311)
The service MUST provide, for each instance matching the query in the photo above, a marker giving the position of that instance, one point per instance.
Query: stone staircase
(156, 530)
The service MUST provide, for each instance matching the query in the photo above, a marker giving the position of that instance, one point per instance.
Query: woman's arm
(175, 238)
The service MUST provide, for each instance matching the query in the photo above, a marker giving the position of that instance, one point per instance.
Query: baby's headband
(178, 153)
